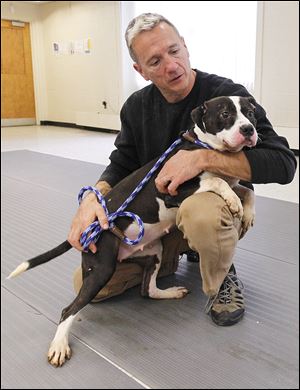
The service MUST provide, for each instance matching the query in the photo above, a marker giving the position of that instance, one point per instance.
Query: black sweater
(150, 124)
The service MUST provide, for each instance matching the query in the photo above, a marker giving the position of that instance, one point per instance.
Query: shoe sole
(227, 321)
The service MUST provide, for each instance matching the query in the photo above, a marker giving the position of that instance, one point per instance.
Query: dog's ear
(252, 101)
(197, 116)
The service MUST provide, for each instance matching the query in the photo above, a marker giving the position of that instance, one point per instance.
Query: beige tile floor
(95, 147)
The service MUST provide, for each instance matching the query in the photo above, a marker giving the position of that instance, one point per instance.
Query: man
(152, 119)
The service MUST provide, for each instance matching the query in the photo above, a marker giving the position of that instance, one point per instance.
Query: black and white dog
(225, 123)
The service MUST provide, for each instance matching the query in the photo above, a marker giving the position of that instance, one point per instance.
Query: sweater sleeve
(124, 159)
(271, 160)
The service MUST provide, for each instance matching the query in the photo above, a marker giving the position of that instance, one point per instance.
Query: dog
(226, 124)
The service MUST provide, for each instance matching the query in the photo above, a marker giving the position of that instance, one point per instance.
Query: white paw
(59, 352)
(170, 293)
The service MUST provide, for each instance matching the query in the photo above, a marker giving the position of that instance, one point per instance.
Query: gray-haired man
(152, 119)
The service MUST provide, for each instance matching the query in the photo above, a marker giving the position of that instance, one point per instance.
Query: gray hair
(143, 22)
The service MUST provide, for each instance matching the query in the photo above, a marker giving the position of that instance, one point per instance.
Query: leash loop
(92, 233)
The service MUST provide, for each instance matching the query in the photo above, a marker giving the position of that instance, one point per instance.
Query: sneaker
(192, 256)
(227, 307)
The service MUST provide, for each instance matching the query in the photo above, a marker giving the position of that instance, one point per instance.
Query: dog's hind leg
(149, 281)
(97, 270)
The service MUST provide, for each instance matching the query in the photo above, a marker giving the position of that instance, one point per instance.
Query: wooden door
(17, 93)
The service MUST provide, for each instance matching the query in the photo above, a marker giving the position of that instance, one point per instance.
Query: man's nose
(170, 64)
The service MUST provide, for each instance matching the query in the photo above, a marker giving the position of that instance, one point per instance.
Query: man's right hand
(89, 210)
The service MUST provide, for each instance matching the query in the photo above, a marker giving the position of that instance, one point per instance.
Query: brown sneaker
(227, 307)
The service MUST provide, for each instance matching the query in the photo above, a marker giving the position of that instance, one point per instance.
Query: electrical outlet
(103, 107)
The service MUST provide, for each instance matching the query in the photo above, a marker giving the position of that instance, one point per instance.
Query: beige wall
(70, 88)
(18, 10)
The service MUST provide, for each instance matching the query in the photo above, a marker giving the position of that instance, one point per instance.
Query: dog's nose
(247, 130)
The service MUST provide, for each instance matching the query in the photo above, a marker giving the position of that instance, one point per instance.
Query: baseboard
(18, 122)
(75, 126)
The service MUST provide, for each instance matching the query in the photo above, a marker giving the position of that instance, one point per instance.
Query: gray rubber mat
(129, 341)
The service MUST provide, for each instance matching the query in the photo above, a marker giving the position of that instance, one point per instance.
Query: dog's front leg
(248, 200)
(97, 269)
(222, 188)
(59, 349)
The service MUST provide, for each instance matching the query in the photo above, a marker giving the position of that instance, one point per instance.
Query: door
(17, 93)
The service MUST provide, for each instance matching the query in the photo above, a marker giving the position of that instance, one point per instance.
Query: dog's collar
(191, 136)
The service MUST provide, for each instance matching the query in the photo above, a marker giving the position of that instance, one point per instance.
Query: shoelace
(224, 295)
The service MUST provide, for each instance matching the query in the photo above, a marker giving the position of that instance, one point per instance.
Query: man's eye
(225, 115)
(154, 63)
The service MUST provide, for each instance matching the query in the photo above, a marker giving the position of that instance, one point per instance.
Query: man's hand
(89, 210)
(183, 166)
(186, 164)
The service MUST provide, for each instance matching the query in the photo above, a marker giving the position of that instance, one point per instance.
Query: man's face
(163, 58)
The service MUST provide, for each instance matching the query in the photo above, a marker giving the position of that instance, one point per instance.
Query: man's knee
(205, 219)
(202, 209)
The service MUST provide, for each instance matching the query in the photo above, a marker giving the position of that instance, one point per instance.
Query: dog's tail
(41, 259)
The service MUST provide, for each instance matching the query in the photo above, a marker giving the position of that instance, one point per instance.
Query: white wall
(70, 88)
(277, 68)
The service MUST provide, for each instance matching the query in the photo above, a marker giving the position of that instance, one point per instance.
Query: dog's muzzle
(247, 130)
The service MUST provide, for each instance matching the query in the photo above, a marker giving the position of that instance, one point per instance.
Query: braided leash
(203, 144)
(92, 233)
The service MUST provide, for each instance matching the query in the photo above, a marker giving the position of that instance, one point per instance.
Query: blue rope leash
(92, 233)
(203, 144)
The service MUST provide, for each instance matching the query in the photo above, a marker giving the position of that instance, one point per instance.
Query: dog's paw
(169, 293)
(247, 221)
(59, 352)
(235, 205)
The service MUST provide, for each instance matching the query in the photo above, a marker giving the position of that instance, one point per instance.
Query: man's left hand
(183, 166)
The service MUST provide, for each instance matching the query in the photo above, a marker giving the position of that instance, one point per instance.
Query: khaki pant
(213, 232)
(208, 227)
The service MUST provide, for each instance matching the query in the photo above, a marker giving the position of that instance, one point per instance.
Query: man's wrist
(227, 164)
(103, 187)
(205, 159)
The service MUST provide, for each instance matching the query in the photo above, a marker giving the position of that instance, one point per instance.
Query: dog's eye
(225, 114)
(251, 114)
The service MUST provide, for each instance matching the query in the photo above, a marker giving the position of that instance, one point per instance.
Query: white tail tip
(20, 268)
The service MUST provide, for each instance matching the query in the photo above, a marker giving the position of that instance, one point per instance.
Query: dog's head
(226, 122)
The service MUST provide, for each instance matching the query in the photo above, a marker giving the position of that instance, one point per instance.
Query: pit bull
(224, 123)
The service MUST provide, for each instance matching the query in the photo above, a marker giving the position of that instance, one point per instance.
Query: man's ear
(183, 41)
(139, 69)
